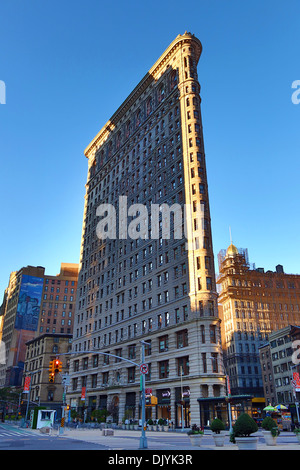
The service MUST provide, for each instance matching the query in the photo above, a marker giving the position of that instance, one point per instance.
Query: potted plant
(150, 424)
(155, 425)
(195, 435)
(271, 431)
(297, 433)
(161, 423)
(216, 427)
(242, 430)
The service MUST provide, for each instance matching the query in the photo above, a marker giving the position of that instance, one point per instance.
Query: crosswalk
(8, 433)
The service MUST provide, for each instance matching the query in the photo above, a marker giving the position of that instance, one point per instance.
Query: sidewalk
(161, 441)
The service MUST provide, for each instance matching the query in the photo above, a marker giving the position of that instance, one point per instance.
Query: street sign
(144, 368)
(296, 381)
(26, 384)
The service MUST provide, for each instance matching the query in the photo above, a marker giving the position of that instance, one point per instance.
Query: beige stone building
(149, 287)
(39, 352)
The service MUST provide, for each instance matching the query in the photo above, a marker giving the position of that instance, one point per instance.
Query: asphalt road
(13, 438)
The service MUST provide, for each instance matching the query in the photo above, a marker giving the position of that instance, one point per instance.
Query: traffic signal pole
(63, 417)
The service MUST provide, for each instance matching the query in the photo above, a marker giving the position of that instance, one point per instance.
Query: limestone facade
(156, 289)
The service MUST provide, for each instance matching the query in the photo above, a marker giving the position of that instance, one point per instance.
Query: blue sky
(68, 65)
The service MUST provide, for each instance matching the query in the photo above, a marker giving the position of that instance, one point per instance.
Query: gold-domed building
(232, 250)
(253, 303)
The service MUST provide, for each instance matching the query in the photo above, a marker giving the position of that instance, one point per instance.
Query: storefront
(130, 405)
(163, 409)
(217, 407)
(258, 404)
(182, 407)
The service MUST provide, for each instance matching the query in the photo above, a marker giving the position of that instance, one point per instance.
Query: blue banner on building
(29, 303)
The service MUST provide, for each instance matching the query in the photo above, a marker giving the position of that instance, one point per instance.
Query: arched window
(149, 106)
(118, 140)
(128, 129)
(173, 79)
(109, 149)
(138, 118)
(161, 94)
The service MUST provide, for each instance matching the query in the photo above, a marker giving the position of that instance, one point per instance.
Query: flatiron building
(156, 288)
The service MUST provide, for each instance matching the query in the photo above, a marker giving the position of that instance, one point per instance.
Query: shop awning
(225, 398)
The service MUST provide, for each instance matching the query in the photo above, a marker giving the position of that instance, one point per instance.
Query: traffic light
(51, 377)
(153, 401)
(57, 366)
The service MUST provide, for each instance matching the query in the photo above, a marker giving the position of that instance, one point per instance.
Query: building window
(212, 330)
(148, 348)
(183, 367)
(94, 380)
(161, 93)
(85, 363)
(105, 376)
(182, 339)
(185, 312)
(132, 351)
(214, 361)
(204, 365)
(202, 328)
(163, 368)
(131, 374)
(163, 342)
(149, 106)
(208, 283)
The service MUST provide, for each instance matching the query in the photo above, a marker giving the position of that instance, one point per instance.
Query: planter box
(269, 439)
(219, 439)
(195, 439)
(247, 443)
